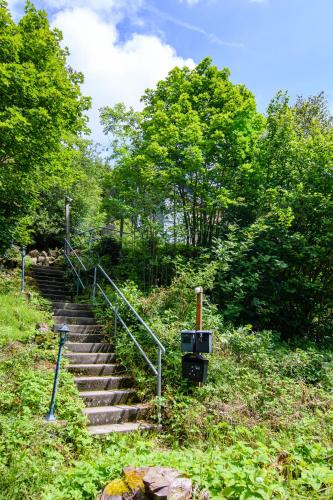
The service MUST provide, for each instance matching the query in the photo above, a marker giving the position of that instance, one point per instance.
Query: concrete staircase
(107, 392)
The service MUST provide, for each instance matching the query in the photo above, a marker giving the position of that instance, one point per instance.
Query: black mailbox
(188, 341)
(196, 341)
(204, 341)
(194, 367)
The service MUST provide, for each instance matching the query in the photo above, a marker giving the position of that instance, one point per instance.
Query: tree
(40, 105)
(190, 150)
(277, 272)
(78, 171)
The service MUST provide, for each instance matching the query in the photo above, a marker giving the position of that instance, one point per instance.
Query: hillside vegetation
(260, 428)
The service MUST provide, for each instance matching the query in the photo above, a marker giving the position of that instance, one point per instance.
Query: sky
(125, 46)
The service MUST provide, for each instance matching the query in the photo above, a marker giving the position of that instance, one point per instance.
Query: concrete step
(74, 320)
(71, 305)
(101, 430)
(83, 329)
(103, 383)
(83, 338)
(47, 271)
(38, 266)
(45, 280)
(75, 313)
(56, 296)
(105, 398)
(43, 277)
(78, 358)
(53, 289)
(116, 414)
(85, 347)
(95, 369)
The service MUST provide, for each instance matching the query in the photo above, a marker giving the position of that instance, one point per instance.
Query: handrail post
(94, 284)
(159, 384)
(115, 318)
(23, 252)
(78, 282)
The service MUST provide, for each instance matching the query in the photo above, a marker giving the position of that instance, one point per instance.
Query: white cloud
(113, 71)
(190, 2)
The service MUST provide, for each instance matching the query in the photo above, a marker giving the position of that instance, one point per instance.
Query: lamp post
(68, 202)
(198, 319)
(23, 252)
(63, 335)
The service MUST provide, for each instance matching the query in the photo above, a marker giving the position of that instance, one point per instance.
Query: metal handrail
(160, 348)
(68, 245)
(77, 274)
(132, 308)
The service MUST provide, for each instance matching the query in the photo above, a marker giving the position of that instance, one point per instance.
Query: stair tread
(83, 329)
(87, 344)
(72, 317)
(76, 354)
(50, 279)
(115, 408)
(123, 427)
(101, 377)
(91, 365)
(102, 392)
(89, 347)
(64, 296)
(63, 304)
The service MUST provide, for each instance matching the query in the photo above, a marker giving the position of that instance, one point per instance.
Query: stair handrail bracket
(157, 371)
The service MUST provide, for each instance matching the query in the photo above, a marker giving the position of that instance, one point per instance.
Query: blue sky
(125, 46)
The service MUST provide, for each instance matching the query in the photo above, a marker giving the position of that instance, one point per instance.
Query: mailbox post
(195, 342)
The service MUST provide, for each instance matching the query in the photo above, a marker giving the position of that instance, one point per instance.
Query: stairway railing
(157, 371)
(100, 275)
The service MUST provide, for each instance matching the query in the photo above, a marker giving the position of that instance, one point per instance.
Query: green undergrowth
(32, 452)
(261, 427)
(265, 415)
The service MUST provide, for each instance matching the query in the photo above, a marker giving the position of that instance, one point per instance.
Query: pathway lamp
(63, 336)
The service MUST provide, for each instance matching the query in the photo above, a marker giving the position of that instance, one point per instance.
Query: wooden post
(198, 321)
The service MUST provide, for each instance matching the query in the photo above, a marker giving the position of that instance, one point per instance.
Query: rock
(163, 483)
(115, 490)
(54, 253)
(42, 327)
(42, 260)
(33, 253)
(144, 483)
